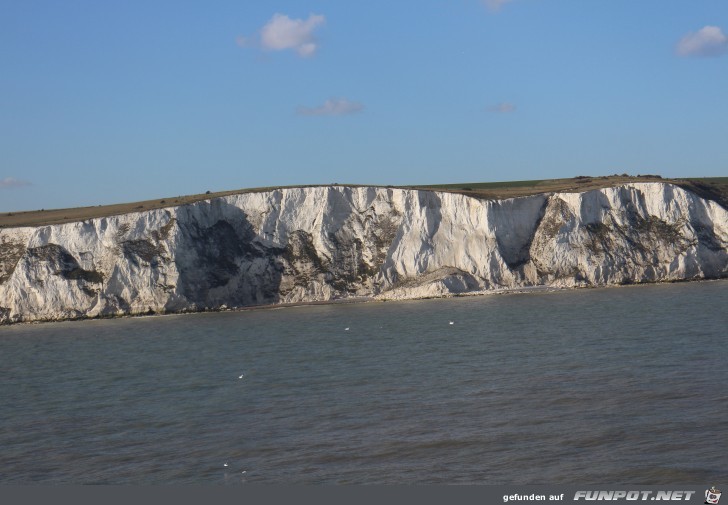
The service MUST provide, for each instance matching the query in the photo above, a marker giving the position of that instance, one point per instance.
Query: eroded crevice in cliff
(431, 204)
(521, 219)
(358, 250)
(382, 234)
(557, 215)
(348, 268)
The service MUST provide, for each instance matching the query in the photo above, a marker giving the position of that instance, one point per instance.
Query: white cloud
(12, 182)
(708, 41)
(503, 108)
(282, 32)
(331, 107)
(495, 5)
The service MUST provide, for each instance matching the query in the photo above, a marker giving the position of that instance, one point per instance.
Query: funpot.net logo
(645, 495)
(712, 496)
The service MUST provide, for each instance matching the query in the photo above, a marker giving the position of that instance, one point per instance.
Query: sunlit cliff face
(335, 242)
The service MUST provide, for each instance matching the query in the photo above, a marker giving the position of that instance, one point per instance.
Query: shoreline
(359, 300)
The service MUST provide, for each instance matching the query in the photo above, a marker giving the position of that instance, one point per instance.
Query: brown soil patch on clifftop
(714, 188)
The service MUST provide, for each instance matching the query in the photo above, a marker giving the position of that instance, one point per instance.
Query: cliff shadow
(516, 222)
(221, 260)
(432, 205)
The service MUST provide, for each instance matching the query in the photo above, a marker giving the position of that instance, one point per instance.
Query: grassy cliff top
(712, 188)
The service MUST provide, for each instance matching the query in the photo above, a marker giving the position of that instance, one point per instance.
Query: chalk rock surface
(337, 242)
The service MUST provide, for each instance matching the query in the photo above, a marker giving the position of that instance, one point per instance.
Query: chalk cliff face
(334, 242)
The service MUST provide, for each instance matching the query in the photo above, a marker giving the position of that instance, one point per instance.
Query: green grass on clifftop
(711, 188)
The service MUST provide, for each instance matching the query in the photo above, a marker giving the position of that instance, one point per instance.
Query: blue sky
(106, 102)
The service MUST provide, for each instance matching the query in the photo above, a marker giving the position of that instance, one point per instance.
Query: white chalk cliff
(336, 242)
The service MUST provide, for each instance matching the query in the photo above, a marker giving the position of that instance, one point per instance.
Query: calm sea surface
(621, 385)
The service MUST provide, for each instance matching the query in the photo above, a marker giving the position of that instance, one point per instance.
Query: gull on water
(452, 322)
(346, 329)
(241, 376)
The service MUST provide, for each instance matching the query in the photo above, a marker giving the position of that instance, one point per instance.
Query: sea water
(616, 385)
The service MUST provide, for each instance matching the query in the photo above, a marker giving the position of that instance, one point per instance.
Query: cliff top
(712, 188)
